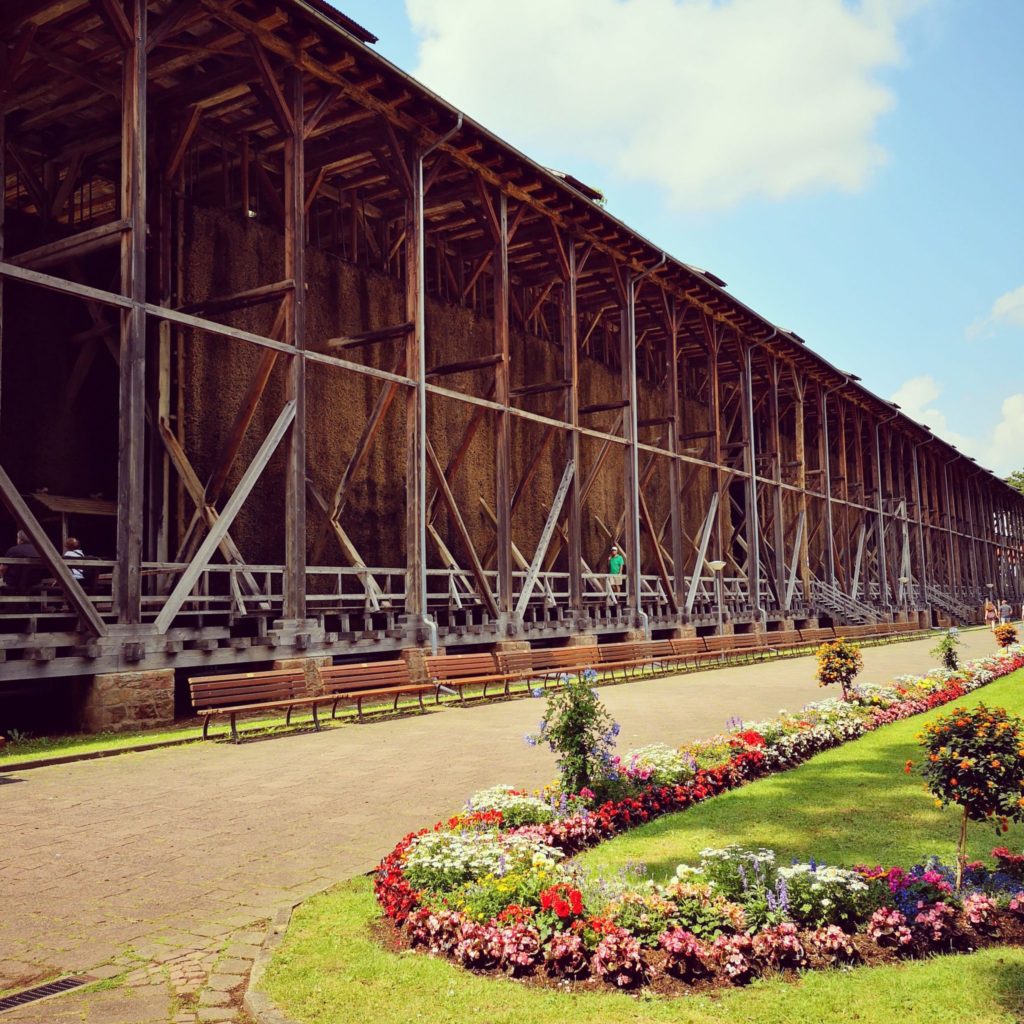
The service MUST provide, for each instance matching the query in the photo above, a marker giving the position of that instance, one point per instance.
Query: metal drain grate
(30, 995)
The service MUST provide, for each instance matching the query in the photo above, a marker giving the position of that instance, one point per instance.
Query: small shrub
(520, 947)
(578, 728)
(619, 959)
(832, 942)
(980, 911)
(945, 650)
(479, 945)
(645, 914)
(779, 946)
(974, 760)
(935, 923)
(888, 928)
(687, 955)
(1005, 634)
(567, 955)
(734, 955)
(839, 661)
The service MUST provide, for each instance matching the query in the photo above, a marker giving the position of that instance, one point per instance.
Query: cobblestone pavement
(156, 871)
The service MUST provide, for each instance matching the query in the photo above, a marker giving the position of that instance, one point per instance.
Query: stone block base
(581, 640)
(683, 633)
(311, 667)
(122, 701)
(512, 647)
(416, 659)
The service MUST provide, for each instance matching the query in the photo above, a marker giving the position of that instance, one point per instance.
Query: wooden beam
(465, 365)
(545, 540)
(131, 460)
(51, 557)
(279, 108)
(240, 299)
(113, 15)
(195, 568)
(479, 575)
(180, 147)
(79, 244)
(392, 333)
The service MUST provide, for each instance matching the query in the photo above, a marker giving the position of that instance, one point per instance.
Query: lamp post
(716, 567)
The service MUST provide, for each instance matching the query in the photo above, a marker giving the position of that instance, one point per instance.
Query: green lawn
(851, 804)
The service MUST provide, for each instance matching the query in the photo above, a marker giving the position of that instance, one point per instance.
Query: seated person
(20, 579)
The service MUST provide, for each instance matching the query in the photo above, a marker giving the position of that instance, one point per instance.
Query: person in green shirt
(616, 565)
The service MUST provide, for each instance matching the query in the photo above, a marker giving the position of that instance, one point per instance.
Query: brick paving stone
(216, 1014)
(211, 997)
(142, 862)
(225, 982)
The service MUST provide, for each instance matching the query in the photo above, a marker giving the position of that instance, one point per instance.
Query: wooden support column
(800, 444)
(132, 383)
(631, 476)
(779, 534)
(752, 513)
(415, 414)
(826, 465)
(507, 623)
(3, 212)
(295, 381)
(570, 374)
(675, 413)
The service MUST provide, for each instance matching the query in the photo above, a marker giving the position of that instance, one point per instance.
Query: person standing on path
(991, 615)
(1005, 612)
(616, 567)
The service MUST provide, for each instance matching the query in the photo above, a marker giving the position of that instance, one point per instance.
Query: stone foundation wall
(122, 701)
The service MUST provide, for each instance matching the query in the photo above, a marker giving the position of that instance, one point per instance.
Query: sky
(853, 169)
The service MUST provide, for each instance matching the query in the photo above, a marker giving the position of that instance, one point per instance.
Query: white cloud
(1001, 449)
(715, 101)
(1008, 310)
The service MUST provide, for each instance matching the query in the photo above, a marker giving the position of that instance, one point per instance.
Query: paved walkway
(160, 868)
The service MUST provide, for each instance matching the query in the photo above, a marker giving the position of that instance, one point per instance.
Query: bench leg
(420, 695)
(316, 719)
(359, 708)
(288, 716)
(234, 729)
(206, 725)
(334, 709)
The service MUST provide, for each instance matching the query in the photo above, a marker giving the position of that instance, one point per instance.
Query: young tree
(1016, 480)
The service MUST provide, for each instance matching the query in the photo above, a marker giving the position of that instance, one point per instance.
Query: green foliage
(578, 728)
(839, 661)
(489, 896)
(975, 759)
(645, 914)
(1016, 480)
(945, 649)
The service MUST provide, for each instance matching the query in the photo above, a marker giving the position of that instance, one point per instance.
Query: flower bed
(497, 895)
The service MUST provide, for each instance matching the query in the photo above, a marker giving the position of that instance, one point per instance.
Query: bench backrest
(853, 632)
(734, 642)
(372, 675)
(461, 666)
(563, 657)
(246, 688)
(687, 647)
(818, 635)
(654, 649)
(617, 652)
(515, 662)
(784, 638)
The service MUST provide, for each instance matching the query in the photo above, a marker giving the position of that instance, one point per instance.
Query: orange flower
(908, 767)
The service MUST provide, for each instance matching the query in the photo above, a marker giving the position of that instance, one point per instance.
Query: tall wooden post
(753, 517)
(415, 414)
(800, 451)
(295, 384)
(571, 415)
(674, 430)
(503, 425)
(132, 382)
(631, 476)
(826, 465)
(3, 212)
(779, 534)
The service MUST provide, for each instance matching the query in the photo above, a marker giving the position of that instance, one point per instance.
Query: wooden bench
(250, 692)
(636, 655)
(690, 650)
(373, 680)
(458, 671)
(819, 635)
(551, 662)
(737, 644)
(784, 640)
